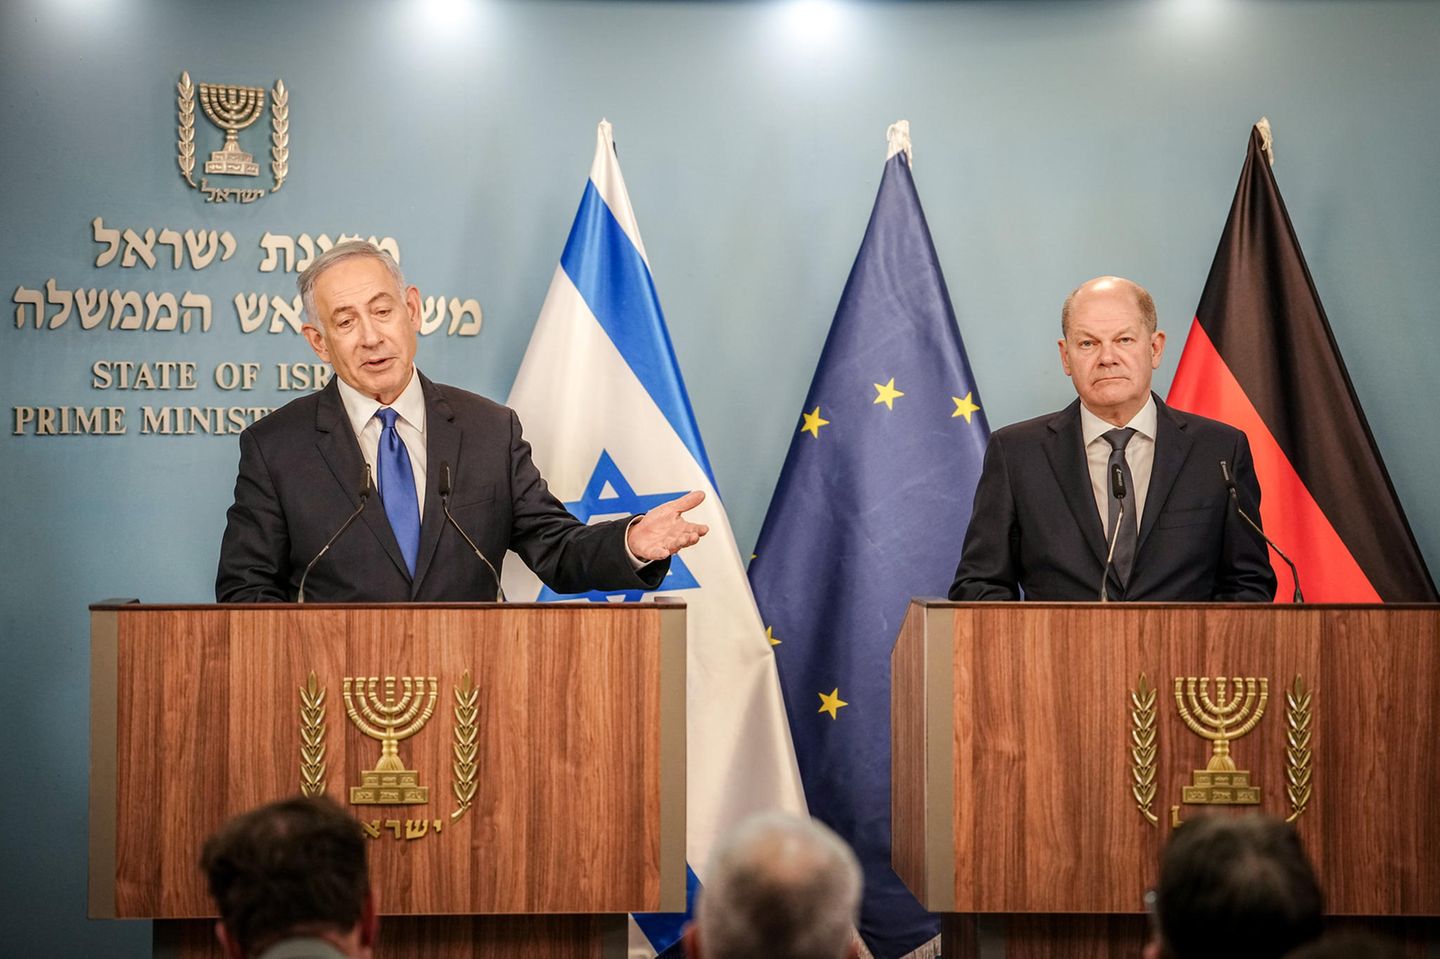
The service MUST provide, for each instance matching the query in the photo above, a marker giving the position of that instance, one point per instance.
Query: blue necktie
(397, 488)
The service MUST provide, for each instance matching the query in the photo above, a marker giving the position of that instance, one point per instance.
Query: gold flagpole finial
(1267, 139)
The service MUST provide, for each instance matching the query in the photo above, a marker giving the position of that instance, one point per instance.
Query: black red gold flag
(1261, 356)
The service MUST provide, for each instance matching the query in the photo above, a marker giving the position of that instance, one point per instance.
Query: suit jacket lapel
(442, 445)
(337, 444)
(1172, 447)
(1066, 451)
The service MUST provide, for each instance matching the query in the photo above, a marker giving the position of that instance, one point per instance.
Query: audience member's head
(779, 886)
(1234, 886)
(1349, 945)
(294, 869)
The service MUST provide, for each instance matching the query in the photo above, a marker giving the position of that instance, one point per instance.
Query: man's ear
(370, 917)
(316, 339)
(412, 306)
(1064, 357)
(229, 946)
(691, 938)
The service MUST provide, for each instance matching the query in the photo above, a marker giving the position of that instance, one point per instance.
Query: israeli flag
(604, 407)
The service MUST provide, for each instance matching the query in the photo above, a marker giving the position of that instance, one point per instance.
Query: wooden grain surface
(566, 817)
(1044, 817)
(907, 756)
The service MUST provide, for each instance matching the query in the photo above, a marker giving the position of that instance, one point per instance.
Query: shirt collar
(1093, 427)
(304, 947)
(360, 409)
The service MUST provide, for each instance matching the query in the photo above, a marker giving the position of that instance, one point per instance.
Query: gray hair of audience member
(1236, 886)
(288, 867)
(780, 886)
(341, 251)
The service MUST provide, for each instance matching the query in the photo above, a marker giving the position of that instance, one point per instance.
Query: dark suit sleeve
(990, 560)
(1244, 574)
(567, 555)
(255, 551)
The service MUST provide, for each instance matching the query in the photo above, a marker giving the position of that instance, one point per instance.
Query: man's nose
(369, 331)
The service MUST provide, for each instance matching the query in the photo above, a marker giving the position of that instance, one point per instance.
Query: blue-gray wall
(1053, 141)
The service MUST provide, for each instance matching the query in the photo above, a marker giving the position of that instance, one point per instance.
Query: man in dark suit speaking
(307, 467)
(1047, 509)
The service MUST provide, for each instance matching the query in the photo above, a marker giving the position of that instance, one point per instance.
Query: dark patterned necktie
(397, 488)
(1124, 557)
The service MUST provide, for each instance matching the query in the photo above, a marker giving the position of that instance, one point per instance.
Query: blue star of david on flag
(608, 494)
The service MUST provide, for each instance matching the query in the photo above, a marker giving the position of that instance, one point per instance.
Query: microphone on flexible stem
(364, 499)
(1235, 498)
(1117, 488)
(445, 505)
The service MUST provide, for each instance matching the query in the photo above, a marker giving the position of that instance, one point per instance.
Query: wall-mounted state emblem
(391, 710)
(1220, 710)
(232, 109)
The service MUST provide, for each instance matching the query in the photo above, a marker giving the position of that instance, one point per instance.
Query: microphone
(1117, 489)
(1235, 498)
(445, 505)
(364, 499)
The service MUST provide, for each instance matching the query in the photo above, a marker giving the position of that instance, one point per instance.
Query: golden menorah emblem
(1234, 711)
(377, 711)
(232, 109)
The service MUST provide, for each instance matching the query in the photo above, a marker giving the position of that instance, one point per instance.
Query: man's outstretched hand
(664, 531)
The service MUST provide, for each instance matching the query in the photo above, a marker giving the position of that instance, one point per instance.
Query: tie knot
(1116, 438)
(387, 417)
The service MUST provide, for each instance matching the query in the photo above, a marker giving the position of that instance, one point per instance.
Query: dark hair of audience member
(1237, 887)
(1349, 945)
(294, 866)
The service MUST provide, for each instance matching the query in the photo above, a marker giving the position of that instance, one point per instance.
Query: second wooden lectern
(1042, 754)
(520, 769)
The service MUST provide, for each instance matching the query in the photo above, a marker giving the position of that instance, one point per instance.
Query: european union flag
(870, 510)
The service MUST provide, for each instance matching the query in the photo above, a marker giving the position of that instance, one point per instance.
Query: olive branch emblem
(312, 737)
(279, 134)
(1143, 747)
(1297, 747)
(186, 104)
(465, 748)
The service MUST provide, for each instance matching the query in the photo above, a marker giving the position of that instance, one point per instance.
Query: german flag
(1261, 356)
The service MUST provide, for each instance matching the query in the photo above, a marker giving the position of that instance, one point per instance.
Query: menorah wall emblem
(232, 109)
(375, 709)
(1235, 709)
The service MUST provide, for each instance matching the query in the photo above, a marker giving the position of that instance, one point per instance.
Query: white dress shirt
(410, 424)
(1139, 454)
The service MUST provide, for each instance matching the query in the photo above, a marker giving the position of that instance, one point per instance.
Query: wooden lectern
(1042, 754)
(533, 788)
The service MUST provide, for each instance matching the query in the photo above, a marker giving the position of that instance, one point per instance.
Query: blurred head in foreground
(1234, 886)
(293, 869)
(780, 886)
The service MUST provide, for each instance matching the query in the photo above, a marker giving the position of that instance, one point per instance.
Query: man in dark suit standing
(307, 467)
(1046, 511)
